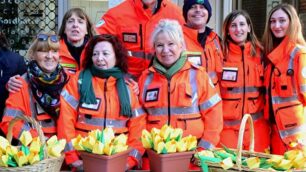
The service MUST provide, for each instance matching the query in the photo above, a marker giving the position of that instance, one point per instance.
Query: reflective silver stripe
(240, 90)
(211, 102)
(278, 100)
(136, 154)
(217, 44)
(303, 88)
(48, 124)
(205, 144)
(140, 54)
(73, 102)
(255, 116)
(146, 83)
(212, 74)
(68, 147)
(292, 56)
(174, 111)
(194, 86)
(292, 131)
(137, 112)
(12, 112)
(100, 121)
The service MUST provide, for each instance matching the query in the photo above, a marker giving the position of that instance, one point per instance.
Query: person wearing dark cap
(10, 64)
(202, 42)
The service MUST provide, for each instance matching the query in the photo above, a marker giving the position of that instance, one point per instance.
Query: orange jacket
(188, 101)
(23, 103)
(70, 65)
(241, 84)
(134, 25)
(287, 75)
(77, 118)
(210, 58)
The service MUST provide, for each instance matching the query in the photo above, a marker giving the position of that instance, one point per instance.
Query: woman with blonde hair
(285, 79)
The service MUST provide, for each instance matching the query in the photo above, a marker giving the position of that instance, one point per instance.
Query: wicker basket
(48, 164)
(215, 167)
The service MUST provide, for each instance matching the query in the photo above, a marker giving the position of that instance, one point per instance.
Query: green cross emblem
(200, 1)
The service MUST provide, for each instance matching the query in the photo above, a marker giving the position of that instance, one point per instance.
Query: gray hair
(170, 27)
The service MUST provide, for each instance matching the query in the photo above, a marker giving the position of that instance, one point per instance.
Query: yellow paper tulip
(300, 161)
(89, 142)
(146, 139)
(275, 159)
(253, 162)
(154, 132)
(206, 153)
(160, 146)
(291, 154)
(4, 160)
(98, 148)
(35, 145)
(21, 158)
(191, 142)
(77, 143)
(108, 134)
(94, 133)
(25, 138)
(181, 146)
(55, 150)
(171, 146)
(3, 144)
(285, 164)
(108, 149)
(33, 157)
(165, 132)
(176, 134)
(120, 148)
(11, 150)
(227, 163)
(156, 141)
(120, 140)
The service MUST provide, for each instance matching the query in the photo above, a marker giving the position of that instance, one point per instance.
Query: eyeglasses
(44, 37)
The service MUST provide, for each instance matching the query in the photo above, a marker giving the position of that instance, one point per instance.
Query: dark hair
(119, 49)
(80, 13)
(251, 36)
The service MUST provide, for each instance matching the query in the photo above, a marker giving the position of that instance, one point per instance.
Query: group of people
(148, 67)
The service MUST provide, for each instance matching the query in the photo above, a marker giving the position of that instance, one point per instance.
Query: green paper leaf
(87, 149)
(179, 137)
(41, 153)
(11, 161)
(164, 151)
(25, 150)
(167, 139)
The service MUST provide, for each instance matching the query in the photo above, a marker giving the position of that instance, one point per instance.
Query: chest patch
(152, 95)
(230, 74)
(129, 37)
(195, 59)
(92, 106)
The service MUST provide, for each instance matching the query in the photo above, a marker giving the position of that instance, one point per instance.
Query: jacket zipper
(206, 60)
(105, 106)
(140, 34)
(243, 98)
(169, 110)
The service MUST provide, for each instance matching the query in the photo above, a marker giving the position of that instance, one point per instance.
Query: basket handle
(34, 124)
(246, 117)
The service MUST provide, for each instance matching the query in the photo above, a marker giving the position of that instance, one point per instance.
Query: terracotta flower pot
(178, 162)
(114, 163)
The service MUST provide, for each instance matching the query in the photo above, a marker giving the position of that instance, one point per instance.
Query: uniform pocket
(231, 108)
(290, 116)
(191, 125)
(182, 95)
(255, 75)
(283, 85)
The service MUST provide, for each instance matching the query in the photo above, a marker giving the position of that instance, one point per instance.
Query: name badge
(152, 95)
(129, 37)
(195, 59)
(39, 109)
(230, 74)
(91, 106)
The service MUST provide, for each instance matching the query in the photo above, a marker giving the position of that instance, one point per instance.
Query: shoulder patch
(100, 23)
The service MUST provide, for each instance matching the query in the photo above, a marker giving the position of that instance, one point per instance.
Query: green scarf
(88, 95)
(173, 69)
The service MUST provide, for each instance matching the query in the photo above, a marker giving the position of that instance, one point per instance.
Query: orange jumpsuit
(133, 25)
(188, 101)
(285, 82)
(76, 118)
(70, 65)
(210, 57)
(23, 103)
(241, 87)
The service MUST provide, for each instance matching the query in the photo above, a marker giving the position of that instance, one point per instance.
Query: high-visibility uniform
(285, 82)
(241, 86)
(133, 25)
(70, 65)
(76, 118)
(23, 103)
(188, 100)
(210, 57)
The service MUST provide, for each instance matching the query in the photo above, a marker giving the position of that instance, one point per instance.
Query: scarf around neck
(87, 93)
(173, 69)
(46, 89)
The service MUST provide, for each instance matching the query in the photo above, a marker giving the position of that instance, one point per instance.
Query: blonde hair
(294, 31)
(251, 35)
(170, 27)
(40, 45)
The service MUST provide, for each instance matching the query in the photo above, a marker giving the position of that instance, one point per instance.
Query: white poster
(112, 3)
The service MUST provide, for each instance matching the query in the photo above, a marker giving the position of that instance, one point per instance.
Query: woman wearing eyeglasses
(98, 97)
(42, 84)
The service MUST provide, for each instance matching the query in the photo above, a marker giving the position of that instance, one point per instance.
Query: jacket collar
(281, 51)
(146, 13)
(236, 49)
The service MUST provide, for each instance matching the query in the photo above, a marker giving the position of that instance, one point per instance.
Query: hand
(133, 84)
(14, 84)
(77, 165)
